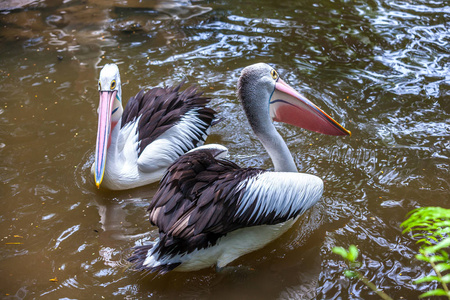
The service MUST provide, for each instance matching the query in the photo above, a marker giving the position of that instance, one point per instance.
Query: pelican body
(209, 211)
(136, 145)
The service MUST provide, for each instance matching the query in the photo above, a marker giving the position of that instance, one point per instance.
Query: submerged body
(209, 211)
(135, 145)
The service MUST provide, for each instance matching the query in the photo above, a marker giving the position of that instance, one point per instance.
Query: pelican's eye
(99, 86)
(113, 84)
(274, 74)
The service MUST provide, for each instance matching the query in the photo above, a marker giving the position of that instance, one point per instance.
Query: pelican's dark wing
(160, 109)
(170, 123)
(201, 199)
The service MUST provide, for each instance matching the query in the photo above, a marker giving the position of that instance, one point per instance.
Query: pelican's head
(109, 84)
(109, 78)
(263, 93)
(109, 113)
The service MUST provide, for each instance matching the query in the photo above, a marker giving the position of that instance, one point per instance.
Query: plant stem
(372, 286)
(438, 274)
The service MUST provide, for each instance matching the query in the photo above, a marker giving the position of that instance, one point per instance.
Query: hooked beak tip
(345, 132)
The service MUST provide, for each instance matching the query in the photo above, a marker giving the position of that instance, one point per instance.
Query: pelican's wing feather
(160, 109)
(274, 197)
(201, 199)
(189, 132)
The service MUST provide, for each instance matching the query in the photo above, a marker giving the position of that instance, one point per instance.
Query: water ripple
(380, 67)
(414, 39)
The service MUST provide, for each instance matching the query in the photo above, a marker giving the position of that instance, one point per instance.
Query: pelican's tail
(145, 258)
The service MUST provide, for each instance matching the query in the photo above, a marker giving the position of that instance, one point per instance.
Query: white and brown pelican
(135, 145)
(210, 211)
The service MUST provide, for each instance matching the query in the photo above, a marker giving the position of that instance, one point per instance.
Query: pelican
(209, 211)
(135, 145)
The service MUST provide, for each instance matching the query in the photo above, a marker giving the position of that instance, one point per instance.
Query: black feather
(161, 108)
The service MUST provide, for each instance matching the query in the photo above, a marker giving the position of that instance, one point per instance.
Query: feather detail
(159, 109)
(202, 199)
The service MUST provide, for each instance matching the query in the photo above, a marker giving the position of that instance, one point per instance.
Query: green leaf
(436, 258)
(422, 257)
(443, 223)
(354, 265)
(427, 219)
(350, 274)
(424, 241)
(427, 279)
(442, 267)
(352, 253)
(445, 243)
(445, 278)
(437, 292)
(340, 251)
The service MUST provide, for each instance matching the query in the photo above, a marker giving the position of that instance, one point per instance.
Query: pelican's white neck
(254, 92)
(277, 149)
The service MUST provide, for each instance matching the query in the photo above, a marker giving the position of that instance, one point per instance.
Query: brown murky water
(380, 67)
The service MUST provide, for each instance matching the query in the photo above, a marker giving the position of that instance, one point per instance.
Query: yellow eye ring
(274, 74)
(113, 84)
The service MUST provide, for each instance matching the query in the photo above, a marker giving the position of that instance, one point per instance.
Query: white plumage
(280, 193)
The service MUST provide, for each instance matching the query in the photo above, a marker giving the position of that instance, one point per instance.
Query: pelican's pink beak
(103, 133)
(288, 106)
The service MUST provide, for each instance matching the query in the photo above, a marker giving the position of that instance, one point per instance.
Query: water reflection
(379, 67)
